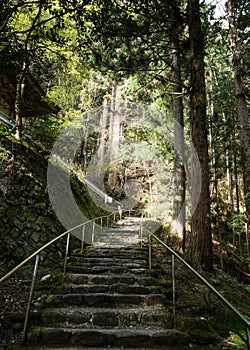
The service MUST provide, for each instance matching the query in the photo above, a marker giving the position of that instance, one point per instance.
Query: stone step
(117, 233)
(106, 317)
(86, 261)
(106, 300)
(121, 338)
(122, 250)
(109, 300)
(105, 279)
(120, 288)
(108, 269)
(101, 255)
(120, 253)
(116, 241)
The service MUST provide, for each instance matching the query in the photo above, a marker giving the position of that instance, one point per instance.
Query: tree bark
(214, 177)
(103, 130)
(179, 211)
(115, 123)
(20, 85)
(114, 135)
(241, 104)
(200, 248)
(84, 148)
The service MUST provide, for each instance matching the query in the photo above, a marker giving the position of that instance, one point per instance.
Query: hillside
(27, 220)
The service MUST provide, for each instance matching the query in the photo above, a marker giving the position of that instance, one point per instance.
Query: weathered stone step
(105, 299)
(128, 237)
(109, 300)
(108, 262)
(114, 256)
(122, 250)
(120, 288)
(112, 236)
(108, 269)
(112, 279)
(112, 253)
(116, 230)
(106, 317)
(139, 339)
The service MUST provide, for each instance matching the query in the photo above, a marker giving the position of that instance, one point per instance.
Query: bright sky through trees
(220, 7)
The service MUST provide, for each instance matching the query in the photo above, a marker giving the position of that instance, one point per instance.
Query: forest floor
(13, 301)
(14, 295)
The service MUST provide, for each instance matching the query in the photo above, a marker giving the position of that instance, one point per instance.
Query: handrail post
(24, 336)
(150, 251)
(120, 211)
(248, 338)
(66, 253)
(114, 217)
(141, 232)
(101, 224)
(107, 222)
(93, 231)
(83, 237)
(173, 291)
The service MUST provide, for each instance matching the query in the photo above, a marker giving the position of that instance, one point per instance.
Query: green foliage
(122, 36)
(77, 50)
(46, 130)
(237, 222)
(145, 136)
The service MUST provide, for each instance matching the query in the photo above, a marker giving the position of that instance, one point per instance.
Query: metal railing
(174, 255)
(6, 121)
(104, 222)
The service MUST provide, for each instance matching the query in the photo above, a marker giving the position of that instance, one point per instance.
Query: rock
(45, 278)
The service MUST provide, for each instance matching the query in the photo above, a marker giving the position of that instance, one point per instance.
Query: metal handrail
(38, 251)
(204, 281)
(37, 255)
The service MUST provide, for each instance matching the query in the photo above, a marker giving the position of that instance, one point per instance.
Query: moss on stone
(198, 329)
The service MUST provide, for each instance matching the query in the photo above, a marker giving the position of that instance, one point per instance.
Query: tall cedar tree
(200, 243)
(241, 100)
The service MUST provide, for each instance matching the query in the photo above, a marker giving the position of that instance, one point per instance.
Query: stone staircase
(109, 300)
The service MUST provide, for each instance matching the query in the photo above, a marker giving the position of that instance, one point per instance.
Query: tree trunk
(115, 124)
(22, 75)
(179, 210)
(84, 149)
(241, 104)
(103, 130)
(214, 177)
(200, 249)
(20, 84)
(114, 136)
